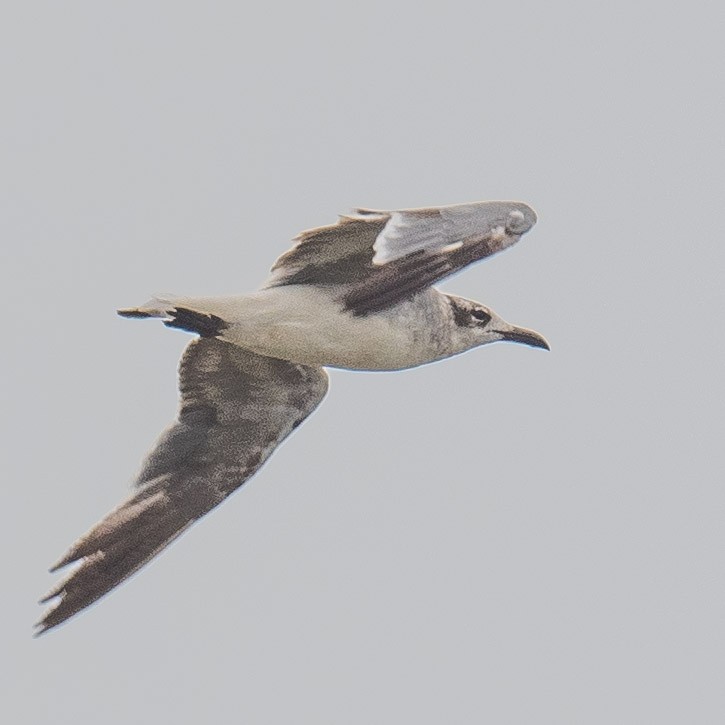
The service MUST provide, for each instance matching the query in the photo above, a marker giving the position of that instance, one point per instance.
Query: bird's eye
(481, 315)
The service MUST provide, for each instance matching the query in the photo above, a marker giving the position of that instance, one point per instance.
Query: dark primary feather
(395, 281)
(420, 247)
(236, 408)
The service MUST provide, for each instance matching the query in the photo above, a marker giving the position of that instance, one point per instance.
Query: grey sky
(510, 536)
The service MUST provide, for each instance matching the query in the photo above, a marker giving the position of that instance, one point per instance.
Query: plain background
(511, 536)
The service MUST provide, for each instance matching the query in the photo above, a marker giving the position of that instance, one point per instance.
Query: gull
(357, 295)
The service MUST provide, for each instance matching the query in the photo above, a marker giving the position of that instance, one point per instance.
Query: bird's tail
(181, 313)
(158, 306)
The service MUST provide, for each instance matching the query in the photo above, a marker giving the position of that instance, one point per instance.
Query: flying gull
(356, 294)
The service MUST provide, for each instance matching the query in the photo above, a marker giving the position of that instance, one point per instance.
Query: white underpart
(306, 324)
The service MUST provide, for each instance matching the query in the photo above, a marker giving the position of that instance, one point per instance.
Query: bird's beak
(526, 337)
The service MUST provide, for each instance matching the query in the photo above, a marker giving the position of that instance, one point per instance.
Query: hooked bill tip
(526, 337)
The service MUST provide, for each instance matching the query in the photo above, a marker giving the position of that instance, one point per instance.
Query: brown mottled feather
(419, 248)
(236, 408)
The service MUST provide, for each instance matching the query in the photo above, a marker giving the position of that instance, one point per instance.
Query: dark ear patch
(466, 315)
(481, 315)
(461, 312)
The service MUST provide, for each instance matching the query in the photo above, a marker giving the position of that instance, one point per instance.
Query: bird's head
(476, 324)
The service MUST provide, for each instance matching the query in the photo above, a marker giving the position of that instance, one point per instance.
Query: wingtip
(56, 591)
(40, 628)
(68, 558)
(43, 625)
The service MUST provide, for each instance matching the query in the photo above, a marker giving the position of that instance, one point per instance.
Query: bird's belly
(304, 326)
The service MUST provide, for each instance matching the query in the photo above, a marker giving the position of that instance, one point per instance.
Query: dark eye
(481, 315)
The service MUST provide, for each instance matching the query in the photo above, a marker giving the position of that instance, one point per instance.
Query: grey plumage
(357, 295)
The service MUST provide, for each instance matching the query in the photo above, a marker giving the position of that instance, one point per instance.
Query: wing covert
(378, 258)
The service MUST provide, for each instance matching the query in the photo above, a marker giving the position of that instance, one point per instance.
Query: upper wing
(382, 257)
(236, 408)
